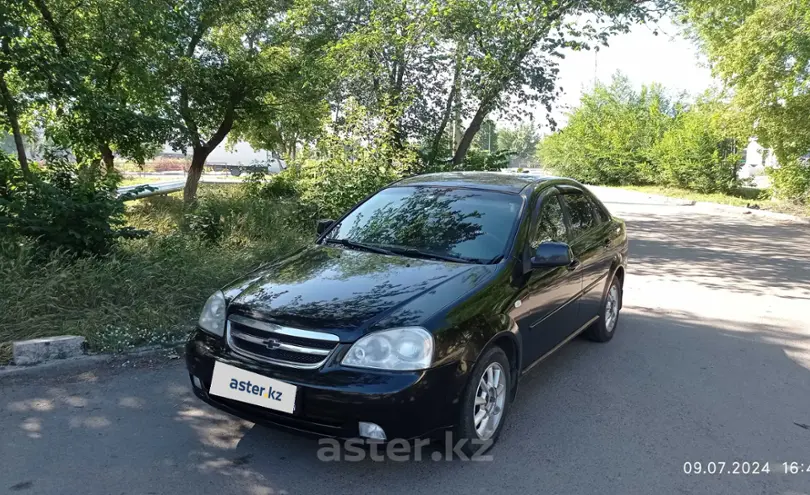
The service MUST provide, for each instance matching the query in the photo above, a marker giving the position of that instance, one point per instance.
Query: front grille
(278, 344)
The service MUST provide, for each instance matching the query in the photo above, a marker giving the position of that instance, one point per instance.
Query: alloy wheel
(490, 398)
(612, 308)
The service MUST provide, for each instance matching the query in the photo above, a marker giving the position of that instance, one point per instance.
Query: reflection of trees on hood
(426, 219)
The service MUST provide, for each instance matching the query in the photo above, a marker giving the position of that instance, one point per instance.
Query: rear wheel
(485, 404)
(604, 328)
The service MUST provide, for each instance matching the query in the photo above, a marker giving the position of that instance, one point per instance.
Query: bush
(283, 184)
(352, 161)
(792, 181)
(62, 207)
(619, 136)
(693, 154)
(148, 290)
(610, 136)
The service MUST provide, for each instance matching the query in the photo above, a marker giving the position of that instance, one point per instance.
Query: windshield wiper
(359, 245)
(419, 253)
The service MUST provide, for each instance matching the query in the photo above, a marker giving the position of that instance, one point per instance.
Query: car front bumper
(330, 401)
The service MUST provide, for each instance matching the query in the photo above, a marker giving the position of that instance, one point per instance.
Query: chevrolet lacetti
(417, 312)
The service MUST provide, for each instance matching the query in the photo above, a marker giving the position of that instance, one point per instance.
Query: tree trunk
(448, 107)
(108, 157)
(469, 134)
(11, 113)
(198, 158)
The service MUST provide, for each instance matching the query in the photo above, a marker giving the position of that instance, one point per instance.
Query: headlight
(409, 348)
(212, 318)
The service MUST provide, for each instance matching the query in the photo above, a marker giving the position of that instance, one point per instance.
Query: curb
(86, 359)
(774, 215)
(739, 210)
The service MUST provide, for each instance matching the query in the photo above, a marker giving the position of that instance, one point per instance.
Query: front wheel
(604, 328)
(485, 404)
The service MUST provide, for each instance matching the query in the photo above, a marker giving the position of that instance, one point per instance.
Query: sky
(668, 58)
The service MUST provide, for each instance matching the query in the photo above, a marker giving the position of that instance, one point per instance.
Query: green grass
(742, 196)
(148, 290)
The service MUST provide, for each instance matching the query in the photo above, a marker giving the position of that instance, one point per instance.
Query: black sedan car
(418, 311)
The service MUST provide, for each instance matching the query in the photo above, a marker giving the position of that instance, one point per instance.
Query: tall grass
(148, 290)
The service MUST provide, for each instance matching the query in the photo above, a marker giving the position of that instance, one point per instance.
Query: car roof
(495, 181)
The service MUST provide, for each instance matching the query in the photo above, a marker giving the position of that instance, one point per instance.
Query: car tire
(605, 327)
(478, 400)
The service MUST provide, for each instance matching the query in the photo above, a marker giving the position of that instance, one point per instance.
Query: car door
(590, 243)
(549, 311)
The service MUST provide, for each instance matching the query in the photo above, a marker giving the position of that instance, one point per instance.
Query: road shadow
(620, 417)
(741, 255)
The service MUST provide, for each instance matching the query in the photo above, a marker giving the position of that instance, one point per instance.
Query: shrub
(694, 154)
(350, 162)
(63, 207)
(609, 137)
(283, 184)
(147, 290)
(791, 180)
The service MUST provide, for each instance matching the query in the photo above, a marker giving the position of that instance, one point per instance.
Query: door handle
(573, 265)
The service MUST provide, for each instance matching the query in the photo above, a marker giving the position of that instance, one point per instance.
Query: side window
(550, 223)
(580, 212)
(601, 215)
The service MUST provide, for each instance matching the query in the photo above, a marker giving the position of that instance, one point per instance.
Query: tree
(521, 141)
(90, 67)
(761, 50)
(610, 136)
(425, 64)
(226, 61)
(700, 150)
(488, 137)
(15, 19)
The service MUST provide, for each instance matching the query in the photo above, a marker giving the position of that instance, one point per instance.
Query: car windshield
(469, 224)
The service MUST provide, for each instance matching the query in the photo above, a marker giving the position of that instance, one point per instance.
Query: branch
(188, 119)
(224, 127)
(448, 107)
(195, 39)
(185, 111)
(53, 27)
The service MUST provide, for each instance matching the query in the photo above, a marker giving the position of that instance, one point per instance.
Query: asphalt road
(711, 362)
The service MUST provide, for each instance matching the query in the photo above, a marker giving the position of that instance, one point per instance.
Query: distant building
(757, 159)
(241, 154)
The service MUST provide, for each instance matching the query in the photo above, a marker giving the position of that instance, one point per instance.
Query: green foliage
(422, 65)
(352, 161)
(621, 136)
(696, 153)
(522, 141)
(283, 185)
(63, 207)
(610, 136)
(792, 181)
(147, 290)
(761, 51)
(476, 160)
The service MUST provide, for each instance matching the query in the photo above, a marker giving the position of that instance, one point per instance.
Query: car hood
(351, 290)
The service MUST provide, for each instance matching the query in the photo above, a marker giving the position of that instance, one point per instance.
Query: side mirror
(552, 254)
(323, 225)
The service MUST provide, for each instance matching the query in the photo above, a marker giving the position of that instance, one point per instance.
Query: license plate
(237, 384)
